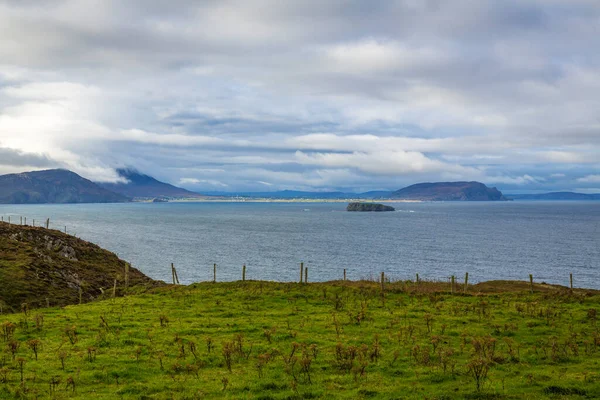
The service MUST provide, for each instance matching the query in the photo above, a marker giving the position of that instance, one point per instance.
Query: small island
(369, 207)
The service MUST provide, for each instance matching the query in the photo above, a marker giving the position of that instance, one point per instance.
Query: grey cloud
(16, 158)
(479, 89)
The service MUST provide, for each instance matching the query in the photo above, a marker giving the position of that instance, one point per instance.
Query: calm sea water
(507, 240)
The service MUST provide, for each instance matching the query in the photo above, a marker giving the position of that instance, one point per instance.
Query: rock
(369, 207)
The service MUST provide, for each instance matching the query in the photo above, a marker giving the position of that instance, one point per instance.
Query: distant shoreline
(267, 200)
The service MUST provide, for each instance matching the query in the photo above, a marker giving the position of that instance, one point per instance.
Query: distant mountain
(297, 194)
(449, 191)
(555, 196)
(144, 186)
(53, 186)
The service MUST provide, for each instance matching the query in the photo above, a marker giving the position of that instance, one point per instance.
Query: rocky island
(369, 207)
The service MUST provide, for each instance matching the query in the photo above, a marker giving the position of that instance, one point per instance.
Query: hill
(38, 264)
(53, 186)
(144, 186)
(449, 191)
(555, 196)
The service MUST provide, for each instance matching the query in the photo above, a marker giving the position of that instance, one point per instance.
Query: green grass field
(262, 340)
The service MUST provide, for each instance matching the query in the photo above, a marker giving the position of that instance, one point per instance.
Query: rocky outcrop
(38, 264)
(369, 207)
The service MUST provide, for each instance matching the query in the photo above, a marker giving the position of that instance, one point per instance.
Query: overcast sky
(313, 95)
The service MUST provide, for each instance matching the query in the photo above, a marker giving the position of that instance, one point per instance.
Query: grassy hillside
(38, 264)
(338, 340)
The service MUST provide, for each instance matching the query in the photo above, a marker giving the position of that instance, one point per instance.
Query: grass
(336, 340)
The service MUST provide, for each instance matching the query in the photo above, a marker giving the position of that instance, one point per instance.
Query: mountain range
(63, 186)
(437, 191)
(555, 196)
(138, 185)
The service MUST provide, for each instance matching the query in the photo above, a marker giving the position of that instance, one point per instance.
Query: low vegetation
(44, 267)
(346, 340)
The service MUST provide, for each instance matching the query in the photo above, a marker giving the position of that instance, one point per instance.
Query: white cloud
(184, 181)
(589, 179)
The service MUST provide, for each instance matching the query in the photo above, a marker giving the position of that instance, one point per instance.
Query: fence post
(244, 273)
(382, 281)
(215, 272)
(531, 282)
(48, 223)
(417, 279)
(466, 281)
(571, 279)
(452, 286)
(344, 274)
(301, 271)
(306, 275)
(173, 273)
(126, 275)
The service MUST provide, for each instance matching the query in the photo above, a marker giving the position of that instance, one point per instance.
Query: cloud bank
(343, 95)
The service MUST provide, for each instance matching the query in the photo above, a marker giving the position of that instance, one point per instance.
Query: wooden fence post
(173, 273)
(126, 275)
(531, 282)
(382, 281)
(571, 279)
(48, 223)
(344, 274)
(244, 273)
(114, 289)
(306, 275)
(466, 281)
(301, 271)
(452, 286)
(215, 272)
(417, 279)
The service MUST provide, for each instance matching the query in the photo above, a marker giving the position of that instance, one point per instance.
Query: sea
(437, 240)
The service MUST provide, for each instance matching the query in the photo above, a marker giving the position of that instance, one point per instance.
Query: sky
(264, 95)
